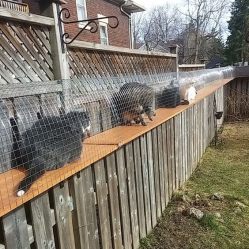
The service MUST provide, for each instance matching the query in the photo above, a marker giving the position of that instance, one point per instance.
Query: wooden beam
(191, 65)
(60, 60)
(60, 1)
(25, 17)
(30, 89)
(174, 49)
(95, 46)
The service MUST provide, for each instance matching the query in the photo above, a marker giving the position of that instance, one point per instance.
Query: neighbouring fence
(190, 67)
(14, 6)
(26, 56)
(237, 99)
(89, 62)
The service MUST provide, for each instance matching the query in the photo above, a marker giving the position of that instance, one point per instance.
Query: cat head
(80, 118)
(150, 112)
(192, 83)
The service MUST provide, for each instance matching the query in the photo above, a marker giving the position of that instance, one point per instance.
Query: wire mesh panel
(6, 138)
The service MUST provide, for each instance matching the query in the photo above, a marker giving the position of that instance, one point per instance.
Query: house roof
(213, 63)
(155, 47)
(130, 6)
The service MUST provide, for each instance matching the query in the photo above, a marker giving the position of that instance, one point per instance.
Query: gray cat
(133, 101)
(50, 143)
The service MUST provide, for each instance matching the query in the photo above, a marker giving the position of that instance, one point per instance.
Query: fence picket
(63, 216)
(43, 222)
(15, 229)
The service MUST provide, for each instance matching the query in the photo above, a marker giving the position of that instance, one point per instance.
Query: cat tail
(35, 172)
(18, 150)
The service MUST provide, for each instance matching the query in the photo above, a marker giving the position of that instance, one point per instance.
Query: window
(81, 9)
(103, 23)
(103, 34)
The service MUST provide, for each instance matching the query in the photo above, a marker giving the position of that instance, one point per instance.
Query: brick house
(86, 9)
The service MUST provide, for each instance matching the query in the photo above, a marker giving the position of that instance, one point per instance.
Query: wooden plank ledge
(94, 149)
(94, 46)
(10, 180)
(25, 17)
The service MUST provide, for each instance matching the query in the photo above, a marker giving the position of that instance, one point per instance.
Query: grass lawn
(223, 171)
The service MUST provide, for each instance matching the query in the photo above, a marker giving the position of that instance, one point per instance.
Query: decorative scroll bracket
(64, 13)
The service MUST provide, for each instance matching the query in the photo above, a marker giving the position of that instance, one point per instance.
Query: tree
(213, 48)
(160, 24)
(238, 25)
(204, 18)
(167, 21)
(137, 24)
(195, 28)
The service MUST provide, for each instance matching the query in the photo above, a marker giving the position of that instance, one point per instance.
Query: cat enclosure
(112, 195)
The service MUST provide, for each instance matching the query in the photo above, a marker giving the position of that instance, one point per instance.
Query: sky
(151, 3)
(148, 4)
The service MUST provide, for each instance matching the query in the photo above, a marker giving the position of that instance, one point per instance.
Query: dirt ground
(219, 188)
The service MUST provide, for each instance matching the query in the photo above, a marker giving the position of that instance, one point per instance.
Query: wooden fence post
(174, 50)
(60, 60)
(59, 57)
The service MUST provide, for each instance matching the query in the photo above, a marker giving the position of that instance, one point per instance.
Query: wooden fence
(191, 67)
(237, 99)
(116, 200)
(29, 55)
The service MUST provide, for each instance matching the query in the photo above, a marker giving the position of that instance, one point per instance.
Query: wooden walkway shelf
(121, 135)
(95, 148)
(9, 181)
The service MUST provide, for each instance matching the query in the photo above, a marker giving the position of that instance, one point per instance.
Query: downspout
(129, 16)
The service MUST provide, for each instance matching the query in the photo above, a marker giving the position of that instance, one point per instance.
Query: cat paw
(185, 102)
(20, 193)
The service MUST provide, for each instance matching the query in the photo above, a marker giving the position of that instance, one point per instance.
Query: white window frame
(103, 23)
(79, 5)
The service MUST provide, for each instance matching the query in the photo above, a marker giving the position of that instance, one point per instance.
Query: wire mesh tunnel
(44, 124)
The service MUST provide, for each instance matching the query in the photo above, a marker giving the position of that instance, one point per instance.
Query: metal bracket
(65, 13)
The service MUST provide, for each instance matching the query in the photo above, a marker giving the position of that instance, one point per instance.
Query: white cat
(190, 93)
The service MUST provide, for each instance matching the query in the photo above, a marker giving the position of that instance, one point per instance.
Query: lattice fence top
(88, 63)
(25, 53)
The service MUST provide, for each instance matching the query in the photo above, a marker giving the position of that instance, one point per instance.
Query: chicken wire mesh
(43, 125)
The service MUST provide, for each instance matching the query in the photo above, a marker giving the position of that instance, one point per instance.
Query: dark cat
(133, 101)
(171, 96)
(50, 143)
